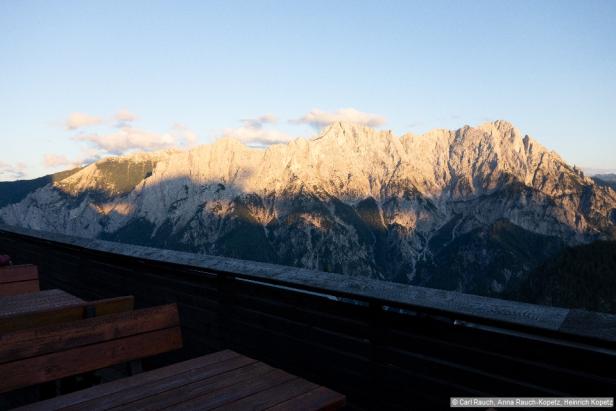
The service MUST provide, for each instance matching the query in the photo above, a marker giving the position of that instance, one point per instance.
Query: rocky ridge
(472, 209)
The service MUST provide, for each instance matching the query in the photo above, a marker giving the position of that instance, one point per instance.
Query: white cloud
(122, 138)
(186, 136)
(55, 160)
(125, 116)
(252, 132)
(319, 119)
(129, 138)
(86, 156)
(78, 120)
(12, 171)
(260, 121)
(257, 136)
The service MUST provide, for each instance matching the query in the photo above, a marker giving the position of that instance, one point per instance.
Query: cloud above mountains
(86, 156)
(129, 138)
(117, 135)
(254, 131)
(10, 171)
(318, 118)
(125, 116)
(78, 120)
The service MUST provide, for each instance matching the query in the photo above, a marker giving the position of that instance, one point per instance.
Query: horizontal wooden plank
(42, 300)
(66, 314)
(320, 398)
(133, 383)
(230, 380)
(19, 287)
(82, 359)
(403, 330)
(22, 272)
(472, 377)
(238, 390)
(138, 396)
(544, 372)
(32, 342)
(271, 396)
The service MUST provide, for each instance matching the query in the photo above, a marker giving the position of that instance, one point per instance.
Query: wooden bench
(23, 319)
(18, 279)
(37, 355)
(224, 380)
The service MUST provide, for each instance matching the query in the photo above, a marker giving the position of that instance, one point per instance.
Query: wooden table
(224, 380)
(32, 302)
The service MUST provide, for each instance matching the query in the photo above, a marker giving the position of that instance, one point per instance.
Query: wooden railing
(384, 345)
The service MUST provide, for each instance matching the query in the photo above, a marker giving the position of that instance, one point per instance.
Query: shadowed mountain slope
(578, 277)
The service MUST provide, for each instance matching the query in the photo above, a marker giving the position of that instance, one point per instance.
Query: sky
(83, 80)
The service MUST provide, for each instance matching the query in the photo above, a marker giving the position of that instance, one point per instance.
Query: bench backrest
(38, 355)
(18, 279)
(66, 314)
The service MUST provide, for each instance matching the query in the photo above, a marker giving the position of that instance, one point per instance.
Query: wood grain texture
(233, 392)
(33, 302)
(135, 396)
(78, 360)
(321, 398)
(224, 380)
(48, 353)
(19, 287)
(65, 314)
(22, 272)
(271, 396)
(17, 345)
(90, 397)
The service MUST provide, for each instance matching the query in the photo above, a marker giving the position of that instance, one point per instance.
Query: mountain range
(476, 209)
(605, 180)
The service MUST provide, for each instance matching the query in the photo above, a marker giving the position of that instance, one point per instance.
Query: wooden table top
(223, 380)
(33, 302)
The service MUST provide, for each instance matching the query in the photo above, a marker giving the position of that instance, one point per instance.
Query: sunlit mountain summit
(474, 209)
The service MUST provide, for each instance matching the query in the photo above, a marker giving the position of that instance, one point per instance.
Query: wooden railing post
(225, 285)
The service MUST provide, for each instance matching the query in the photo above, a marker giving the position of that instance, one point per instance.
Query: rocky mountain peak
(343, 133)
(481, 204)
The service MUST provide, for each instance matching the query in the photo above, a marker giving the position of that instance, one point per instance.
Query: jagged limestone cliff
(470, 209)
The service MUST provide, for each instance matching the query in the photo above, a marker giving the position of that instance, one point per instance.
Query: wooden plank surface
(171, 388)
(59, 315)
(271, 396)
(39, 301)
(321, 398)
(19, 287)
(23, 272)
(44, 354)
(223, 380)
(105, 393)
(20, 344)
(79, 360)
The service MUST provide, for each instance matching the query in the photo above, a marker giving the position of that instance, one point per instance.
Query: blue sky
(80, 80)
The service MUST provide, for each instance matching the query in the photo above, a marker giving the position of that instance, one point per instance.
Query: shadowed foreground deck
(223, 380)
(384, 345)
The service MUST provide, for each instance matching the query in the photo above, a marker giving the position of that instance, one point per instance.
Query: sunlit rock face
(471, 209)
